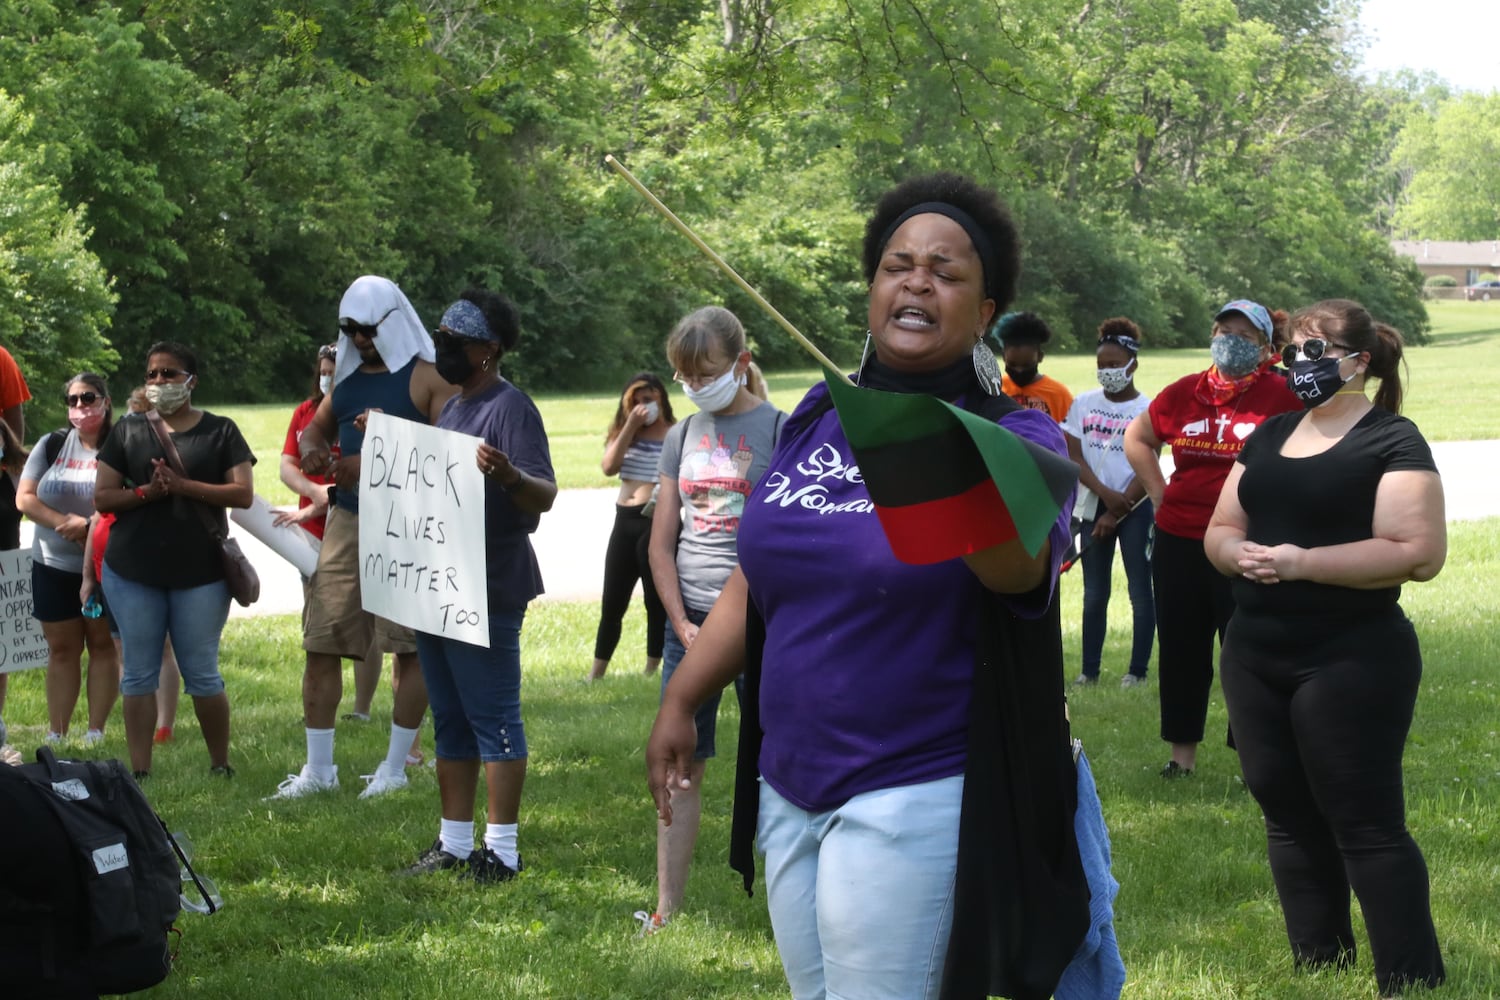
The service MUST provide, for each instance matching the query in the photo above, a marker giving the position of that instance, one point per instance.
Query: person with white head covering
(384, 364)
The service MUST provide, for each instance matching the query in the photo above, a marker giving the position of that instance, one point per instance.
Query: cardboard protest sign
(421, 529)
(21, 643)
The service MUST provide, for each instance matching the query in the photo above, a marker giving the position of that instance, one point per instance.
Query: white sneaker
(53, 739)
(383, 780)
(93, 737)
(305, 782)
(1131, 680)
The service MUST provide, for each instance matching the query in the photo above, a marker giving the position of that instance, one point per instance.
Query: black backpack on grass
(103, 916)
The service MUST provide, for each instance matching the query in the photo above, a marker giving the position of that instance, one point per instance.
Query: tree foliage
(237, 164)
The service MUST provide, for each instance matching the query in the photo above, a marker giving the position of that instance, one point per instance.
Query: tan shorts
(333, 622)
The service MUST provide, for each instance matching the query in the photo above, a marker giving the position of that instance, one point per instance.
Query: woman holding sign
(475, 693)
(163, 570)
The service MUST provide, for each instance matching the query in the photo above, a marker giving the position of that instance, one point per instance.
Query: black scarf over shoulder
(1021, 900)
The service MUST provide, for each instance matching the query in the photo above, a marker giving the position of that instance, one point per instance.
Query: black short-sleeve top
(165, 543)
(1323, 499)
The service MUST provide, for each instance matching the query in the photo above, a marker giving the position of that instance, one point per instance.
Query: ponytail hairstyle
(756, 382)
(1347, 322)
(1281, 333)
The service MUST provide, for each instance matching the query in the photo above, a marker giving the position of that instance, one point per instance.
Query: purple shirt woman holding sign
(475, 692)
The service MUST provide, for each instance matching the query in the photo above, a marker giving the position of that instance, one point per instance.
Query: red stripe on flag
(952, 526)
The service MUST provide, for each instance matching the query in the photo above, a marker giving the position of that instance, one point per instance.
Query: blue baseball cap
(1253, 311)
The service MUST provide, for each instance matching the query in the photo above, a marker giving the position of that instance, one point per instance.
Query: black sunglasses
(354, 328)
(1313, 349)
(83, 399)
(165, 373)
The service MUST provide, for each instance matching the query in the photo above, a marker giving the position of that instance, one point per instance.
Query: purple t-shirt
(507, 419)
(869, 662)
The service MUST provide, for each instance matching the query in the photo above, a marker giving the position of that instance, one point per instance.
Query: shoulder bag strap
(168, 446)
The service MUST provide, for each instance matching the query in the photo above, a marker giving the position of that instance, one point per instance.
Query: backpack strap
(52, 445)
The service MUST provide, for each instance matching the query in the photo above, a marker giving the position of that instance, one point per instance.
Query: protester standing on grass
(1205, 419)
(57, 493)
(709, 464)
(1023, 336)
(163, 570)
(384, 364)
(873, 686)
(312, 513)
(1323, 518)
(1111, 501)
(632, 450)
(13, 392)
(476, 692)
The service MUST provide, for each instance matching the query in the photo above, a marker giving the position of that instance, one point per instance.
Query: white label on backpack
(72, 789)
(111, 858)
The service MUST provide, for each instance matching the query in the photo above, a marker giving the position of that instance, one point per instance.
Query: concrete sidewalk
(570, 542)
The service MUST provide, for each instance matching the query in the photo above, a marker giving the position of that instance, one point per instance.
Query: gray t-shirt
(67, 486)
(716, 460)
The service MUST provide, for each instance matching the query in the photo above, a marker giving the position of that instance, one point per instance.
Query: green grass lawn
(1452, 395)
(314, 911)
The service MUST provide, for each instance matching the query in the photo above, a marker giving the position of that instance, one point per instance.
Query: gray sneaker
(434, 859)
(1131, 680)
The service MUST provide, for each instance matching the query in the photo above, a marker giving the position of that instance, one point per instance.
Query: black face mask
(1315, 382)
(1023, 376)
(453, 364)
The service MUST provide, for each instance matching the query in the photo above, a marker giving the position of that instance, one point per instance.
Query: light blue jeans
(193, 616)
(861, 896)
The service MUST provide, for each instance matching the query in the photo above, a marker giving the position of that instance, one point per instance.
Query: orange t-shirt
(13, 391)
(1046, 393)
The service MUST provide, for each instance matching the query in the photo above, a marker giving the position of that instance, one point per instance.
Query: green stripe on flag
(1032, 481)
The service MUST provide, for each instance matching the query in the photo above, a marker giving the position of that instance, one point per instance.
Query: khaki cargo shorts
(333, 622)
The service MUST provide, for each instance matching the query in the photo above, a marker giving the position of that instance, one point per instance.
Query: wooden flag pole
(722, 265)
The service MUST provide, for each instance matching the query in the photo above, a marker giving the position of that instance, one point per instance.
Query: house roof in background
(1447, 253)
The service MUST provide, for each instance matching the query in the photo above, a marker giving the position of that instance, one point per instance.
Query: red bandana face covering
(1216, 389)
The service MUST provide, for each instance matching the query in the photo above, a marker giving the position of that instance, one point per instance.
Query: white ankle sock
(395, 754)
(501, 838)
(457, 837)
(320, 752)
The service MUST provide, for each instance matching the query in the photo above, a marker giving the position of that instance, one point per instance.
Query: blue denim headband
(465, 319)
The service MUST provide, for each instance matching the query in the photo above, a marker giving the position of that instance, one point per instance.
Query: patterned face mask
(1235, 357)
(1114, 379)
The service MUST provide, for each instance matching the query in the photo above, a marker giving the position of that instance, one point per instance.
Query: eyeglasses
(165, 374)
(699, 381)
(1313, 349)
(83, 399)
(354, 328)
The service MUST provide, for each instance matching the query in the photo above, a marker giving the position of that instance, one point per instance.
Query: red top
(1205, 440)
(301, 417)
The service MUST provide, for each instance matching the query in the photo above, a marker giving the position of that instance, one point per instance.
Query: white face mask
(718, 394)
(653, 411)
(168, 397)
(325, 384)
(1114, 379)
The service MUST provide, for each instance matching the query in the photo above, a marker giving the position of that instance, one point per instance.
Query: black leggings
(625, 562)
(1193, 603)
(1320, 710)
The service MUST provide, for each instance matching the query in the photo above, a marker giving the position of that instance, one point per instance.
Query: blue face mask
(1235, 357)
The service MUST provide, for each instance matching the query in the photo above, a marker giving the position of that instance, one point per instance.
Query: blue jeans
(707, 716)
(194, 617)
(475, 693)
(1133, 535)
(861, 896)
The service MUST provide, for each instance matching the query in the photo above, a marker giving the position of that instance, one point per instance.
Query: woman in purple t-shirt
(891, 867)
(475, 691)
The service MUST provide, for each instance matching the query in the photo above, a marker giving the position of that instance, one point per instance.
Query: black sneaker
(486, 867)
(434, 859)
(222, 771)
(1176, 770)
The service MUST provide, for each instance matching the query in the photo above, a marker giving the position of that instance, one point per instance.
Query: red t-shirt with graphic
(301, 417)
(1205, 440)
